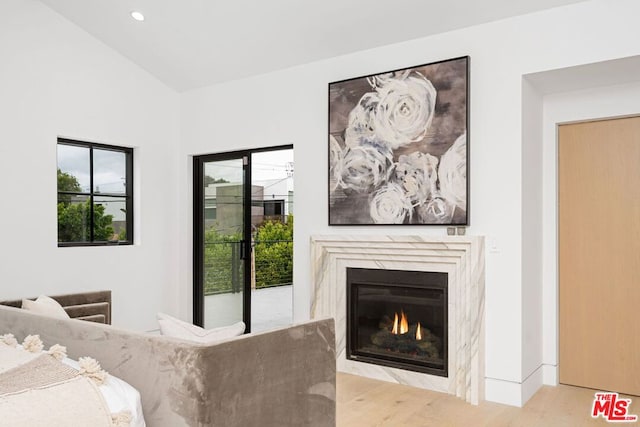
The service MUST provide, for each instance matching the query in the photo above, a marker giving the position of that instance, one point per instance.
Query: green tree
(67, 182)
(210, 180)
(274, 253)
(74, 218)
(222, 270)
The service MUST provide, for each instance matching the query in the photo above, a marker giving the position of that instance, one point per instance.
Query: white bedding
(119, 395)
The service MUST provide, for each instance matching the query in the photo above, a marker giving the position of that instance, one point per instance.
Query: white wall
(290, 106)
(56, 80)
(532, 171)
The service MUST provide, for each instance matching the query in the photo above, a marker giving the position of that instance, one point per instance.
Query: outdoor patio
(270, 308)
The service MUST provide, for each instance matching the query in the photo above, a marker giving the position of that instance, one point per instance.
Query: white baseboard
(550, 375)
(532, 384)
(514, 393)
(501, 391)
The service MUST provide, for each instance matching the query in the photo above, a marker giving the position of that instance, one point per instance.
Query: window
(267, 210)
(273, 207)
(95, 194)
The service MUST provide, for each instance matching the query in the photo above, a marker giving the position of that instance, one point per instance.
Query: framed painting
(398, 147)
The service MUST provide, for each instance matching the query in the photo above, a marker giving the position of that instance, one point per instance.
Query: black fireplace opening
(398, 318)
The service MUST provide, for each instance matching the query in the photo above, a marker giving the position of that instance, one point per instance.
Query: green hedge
(273, 249)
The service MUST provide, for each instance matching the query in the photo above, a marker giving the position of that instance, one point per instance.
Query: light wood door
(599, 254)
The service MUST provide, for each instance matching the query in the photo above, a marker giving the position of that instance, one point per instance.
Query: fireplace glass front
(398, 318)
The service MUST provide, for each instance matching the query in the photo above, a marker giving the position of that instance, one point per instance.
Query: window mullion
(129, 193)
(91, 225)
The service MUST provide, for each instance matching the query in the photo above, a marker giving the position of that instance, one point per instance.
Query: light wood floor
(363, 402)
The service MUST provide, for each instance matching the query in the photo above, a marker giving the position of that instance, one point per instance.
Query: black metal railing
(272, 265)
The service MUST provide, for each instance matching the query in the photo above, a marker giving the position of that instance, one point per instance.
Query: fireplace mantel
(462, 257)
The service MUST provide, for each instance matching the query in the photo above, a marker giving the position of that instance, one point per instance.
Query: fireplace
(461, 258)
(398, 318)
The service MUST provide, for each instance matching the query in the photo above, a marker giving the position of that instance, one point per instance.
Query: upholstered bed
(284, 377)
(91, 306)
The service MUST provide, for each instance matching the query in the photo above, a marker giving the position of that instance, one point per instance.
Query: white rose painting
(398, 147)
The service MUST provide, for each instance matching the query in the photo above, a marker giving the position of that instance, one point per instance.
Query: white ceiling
(193, 43)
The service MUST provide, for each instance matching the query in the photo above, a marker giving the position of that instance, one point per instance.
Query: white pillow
(176, 328)
(45, 305)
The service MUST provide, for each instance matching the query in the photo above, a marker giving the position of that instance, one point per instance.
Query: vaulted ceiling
(193, 43)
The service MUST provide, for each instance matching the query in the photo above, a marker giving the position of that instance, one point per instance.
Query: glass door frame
(198, 229)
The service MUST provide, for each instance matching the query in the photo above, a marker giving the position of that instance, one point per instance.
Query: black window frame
(91, 194)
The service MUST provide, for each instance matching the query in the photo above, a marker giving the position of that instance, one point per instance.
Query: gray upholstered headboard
(92, 306)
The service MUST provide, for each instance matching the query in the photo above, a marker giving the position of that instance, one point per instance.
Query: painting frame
(398, 146)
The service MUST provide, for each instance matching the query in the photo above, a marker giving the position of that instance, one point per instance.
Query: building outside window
(95, 194)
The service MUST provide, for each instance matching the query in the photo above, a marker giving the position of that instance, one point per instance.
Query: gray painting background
(449, 122)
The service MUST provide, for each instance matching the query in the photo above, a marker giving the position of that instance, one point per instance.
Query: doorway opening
(243, 238)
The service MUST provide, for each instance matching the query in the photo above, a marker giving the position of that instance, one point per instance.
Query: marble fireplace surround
(462, 257)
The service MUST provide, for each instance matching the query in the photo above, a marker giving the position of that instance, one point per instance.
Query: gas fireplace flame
(394, 330)
(404, 324)
(418, 332)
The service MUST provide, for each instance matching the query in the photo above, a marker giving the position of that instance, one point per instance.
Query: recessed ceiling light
(137, 16)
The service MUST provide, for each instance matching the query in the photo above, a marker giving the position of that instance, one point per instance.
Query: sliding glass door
(243, 238)
(219, 243)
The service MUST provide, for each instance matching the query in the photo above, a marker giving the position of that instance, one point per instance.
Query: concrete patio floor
(270, 308)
